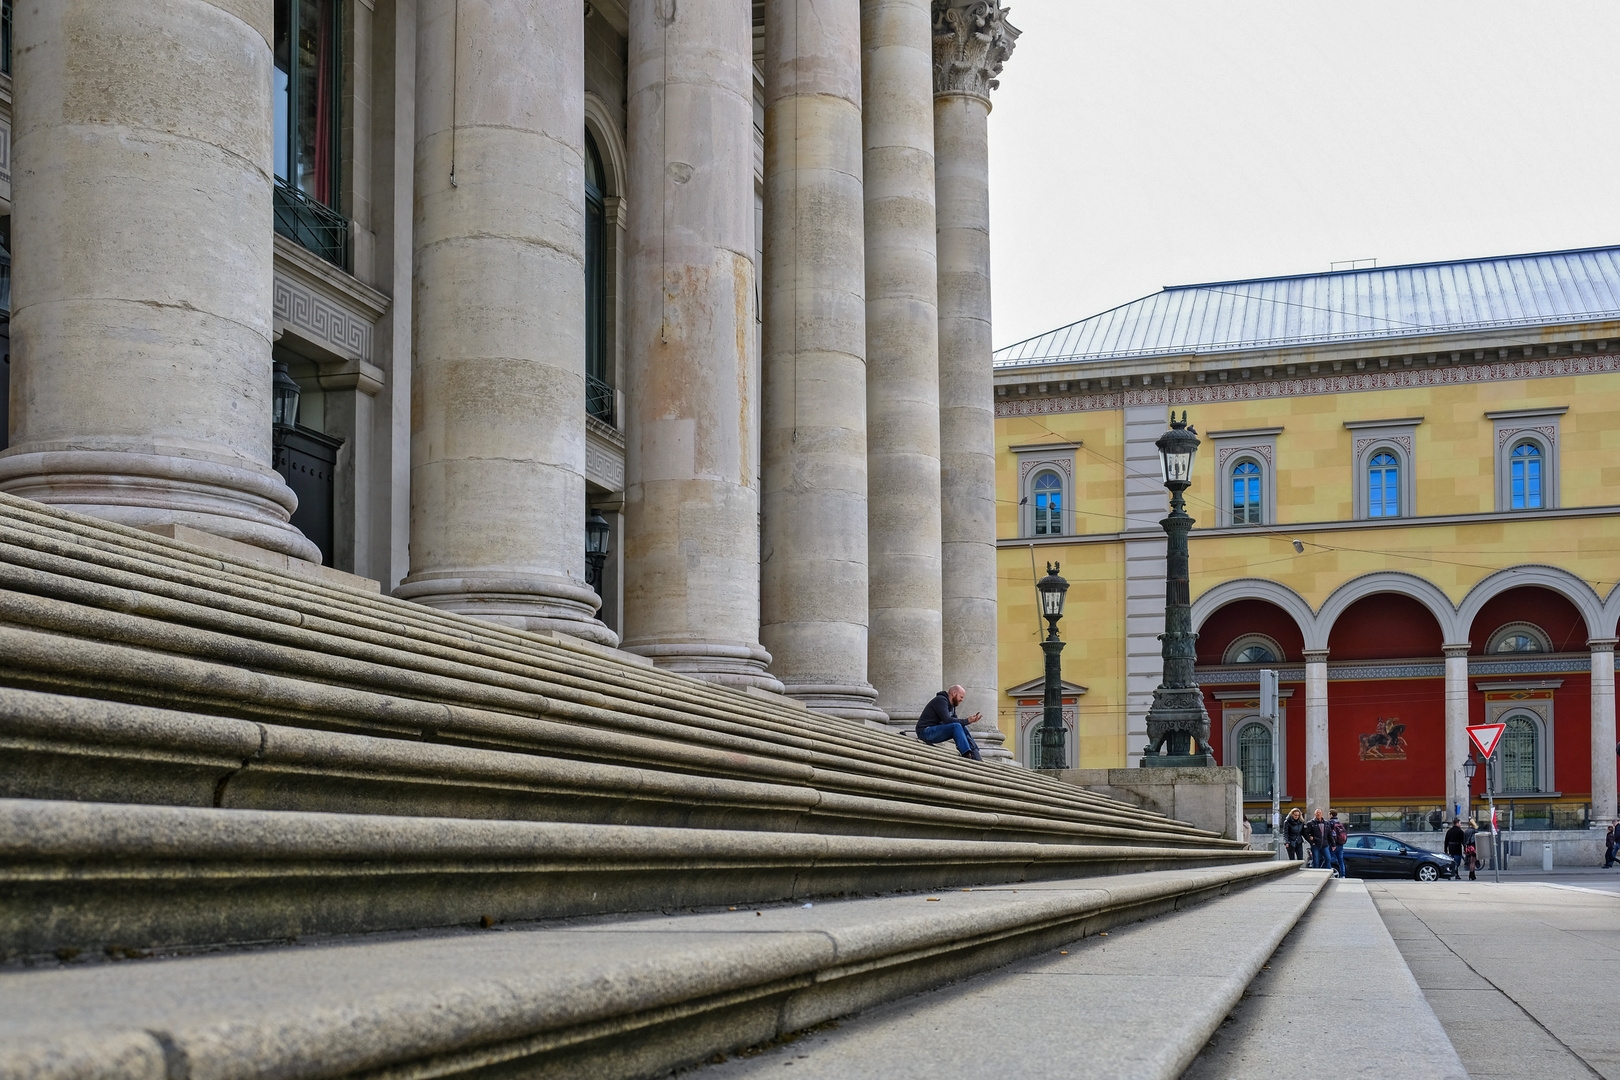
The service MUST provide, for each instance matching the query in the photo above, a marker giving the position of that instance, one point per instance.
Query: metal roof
(1342, 306)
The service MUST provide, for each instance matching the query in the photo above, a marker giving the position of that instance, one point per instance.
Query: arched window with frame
(598, 388)
(1384, 485)
(1254, 758)
(1521, 755)
(1524, 478)
(1246, 477)
(1047, 492)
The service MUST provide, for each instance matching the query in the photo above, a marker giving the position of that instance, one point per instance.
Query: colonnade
(851, 561)
(1317, 777)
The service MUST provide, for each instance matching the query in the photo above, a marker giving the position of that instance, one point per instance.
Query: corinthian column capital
(972, 39)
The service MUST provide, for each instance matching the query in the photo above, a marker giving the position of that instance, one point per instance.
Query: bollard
(1546, 856)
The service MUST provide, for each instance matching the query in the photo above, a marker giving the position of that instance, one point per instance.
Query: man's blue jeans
(1336, 859)
(938, 733)
(1319, 857)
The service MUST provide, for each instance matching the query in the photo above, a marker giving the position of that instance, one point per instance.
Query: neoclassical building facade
(711, 275)
(1405, 503)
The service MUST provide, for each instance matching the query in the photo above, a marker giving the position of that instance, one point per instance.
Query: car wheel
(1428, 872)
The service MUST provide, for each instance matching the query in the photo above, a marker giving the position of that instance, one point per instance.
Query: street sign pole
(1486, 737)
(1269, 711)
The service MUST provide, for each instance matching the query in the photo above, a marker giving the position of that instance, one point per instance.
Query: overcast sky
(1142, 143)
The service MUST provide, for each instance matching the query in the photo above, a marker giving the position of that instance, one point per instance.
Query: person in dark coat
(1294, 833)
(1455, 838)
(1316, 833)
(1611, 845)
(939, 722)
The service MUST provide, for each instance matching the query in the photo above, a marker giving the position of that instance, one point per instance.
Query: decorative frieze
(1260, 390)
(314, 316)
(972, 40)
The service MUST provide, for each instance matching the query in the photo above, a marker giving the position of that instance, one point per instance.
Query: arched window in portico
(1384, 486)
(1524, 479)
(1254, 758)
(1048, 499)
(1521, 755)
(1246, 478)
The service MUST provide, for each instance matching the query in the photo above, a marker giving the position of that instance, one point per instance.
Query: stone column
(814, 601)
(140, 330)
(691, 559)
(1603, 732)
(972, 39)
(498, 398)
(902, 358)
(1316, 733)
(1456, 727)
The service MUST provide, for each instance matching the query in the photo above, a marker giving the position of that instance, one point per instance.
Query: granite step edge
(610, 1000)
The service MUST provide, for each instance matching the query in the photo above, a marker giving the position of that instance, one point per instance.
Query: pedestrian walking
(1611, 845)
(1316, 834)
(1454, 846)
(1471, 849)
(1294, 834)
(1338, 836)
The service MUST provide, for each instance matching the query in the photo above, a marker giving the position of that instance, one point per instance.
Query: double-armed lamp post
(1052, 589)
(1177, 724)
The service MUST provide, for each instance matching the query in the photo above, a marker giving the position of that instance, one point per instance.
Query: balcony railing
(599, 400)
(319, 228)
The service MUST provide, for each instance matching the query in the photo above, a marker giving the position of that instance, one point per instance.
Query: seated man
(939, 722)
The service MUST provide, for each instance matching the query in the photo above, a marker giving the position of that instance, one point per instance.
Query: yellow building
(1406, 502)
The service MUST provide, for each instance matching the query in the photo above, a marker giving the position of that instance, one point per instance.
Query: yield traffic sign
(1485, 736)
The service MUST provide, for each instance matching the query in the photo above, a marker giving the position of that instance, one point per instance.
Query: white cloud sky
(1142, 143)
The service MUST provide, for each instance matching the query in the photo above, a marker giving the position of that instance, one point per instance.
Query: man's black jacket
(938, 711)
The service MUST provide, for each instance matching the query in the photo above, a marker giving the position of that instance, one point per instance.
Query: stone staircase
(253, 823)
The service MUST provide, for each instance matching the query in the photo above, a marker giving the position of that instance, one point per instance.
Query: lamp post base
(1177, 761)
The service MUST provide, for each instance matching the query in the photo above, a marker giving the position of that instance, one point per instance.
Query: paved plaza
(1524, 975)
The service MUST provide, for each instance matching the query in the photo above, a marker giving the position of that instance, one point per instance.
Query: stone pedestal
(498, 395)
(972, 40)
(1210, 798)
(902, 357)
(814, 543)
(140, 323)
(691, 556)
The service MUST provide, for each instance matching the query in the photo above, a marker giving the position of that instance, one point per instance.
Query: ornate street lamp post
(1177, 724)
(596, 549)
(1052, 589)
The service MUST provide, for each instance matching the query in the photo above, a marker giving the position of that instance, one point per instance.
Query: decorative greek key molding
(972, 40)
(604, 465)
(1264, 389)
(318, 318)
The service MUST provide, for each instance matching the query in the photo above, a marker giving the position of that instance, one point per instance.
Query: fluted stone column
(902, 357)
(1603, 731)
(972, 39)
(691, 556)
(498, 395)
(1456, 727)
(814, 602)
(1317, 796)
(140, 323)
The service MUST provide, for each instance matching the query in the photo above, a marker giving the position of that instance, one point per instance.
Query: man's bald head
(955, 694)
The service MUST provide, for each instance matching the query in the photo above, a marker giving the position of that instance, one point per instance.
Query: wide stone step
(1339, 996)
(1136, 1004)
(598, 999)
(90, 610)
(87, 876)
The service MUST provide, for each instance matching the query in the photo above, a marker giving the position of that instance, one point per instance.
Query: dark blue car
(1371, 855)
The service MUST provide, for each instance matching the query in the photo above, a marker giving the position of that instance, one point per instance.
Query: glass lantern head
(1052, 589)
(1469, 768)
(1178, 448)
(283, 398)
(596, 534)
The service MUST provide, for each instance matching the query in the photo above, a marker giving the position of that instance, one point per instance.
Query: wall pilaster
(1603, 730)
(1317, 794)
(1456, 727)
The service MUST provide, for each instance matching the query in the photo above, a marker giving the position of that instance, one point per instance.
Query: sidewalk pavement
(1521, 974)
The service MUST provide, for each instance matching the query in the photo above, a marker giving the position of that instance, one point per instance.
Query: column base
(150, 491)
(737, 666)
(850, 701)
(534, 602)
